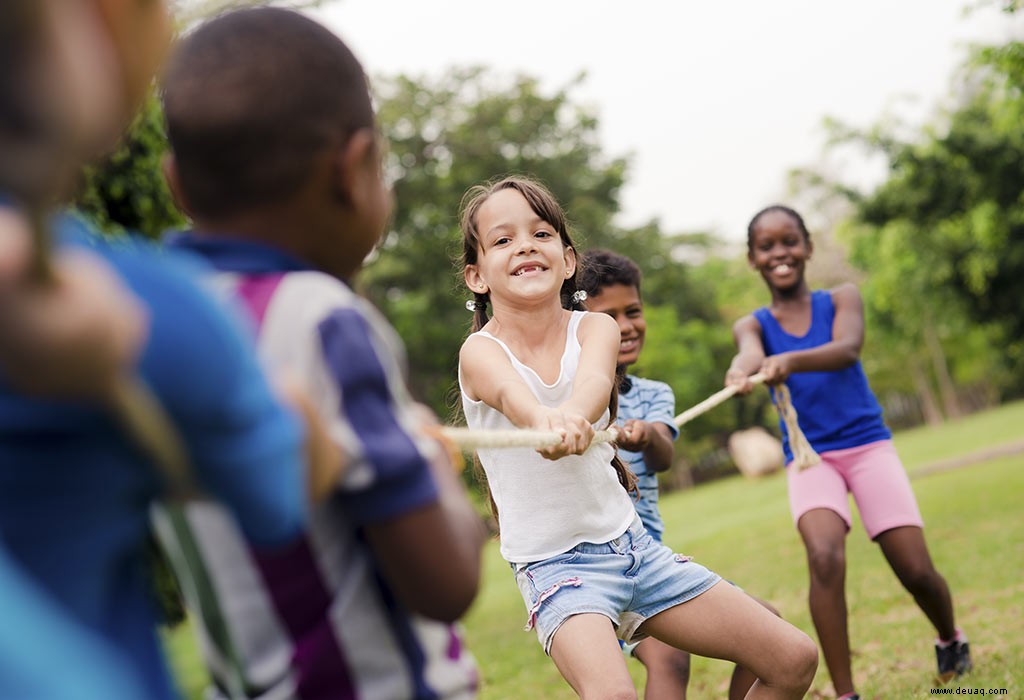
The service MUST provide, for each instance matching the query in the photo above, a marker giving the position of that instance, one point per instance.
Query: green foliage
(941, 240)
(163, 586)
(127, 191)
(692, 357)
(955, 201)
(470, 126)
(446, 135)
(467, 127)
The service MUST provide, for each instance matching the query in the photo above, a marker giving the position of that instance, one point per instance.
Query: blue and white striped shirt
(653, 402)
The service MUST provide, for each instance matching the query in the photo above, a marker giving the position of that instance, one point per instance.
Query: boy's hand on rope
(635, 435)
(576, 431)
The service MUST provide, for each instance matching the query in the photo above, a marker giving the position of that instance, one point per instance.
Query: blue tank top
(836, 409)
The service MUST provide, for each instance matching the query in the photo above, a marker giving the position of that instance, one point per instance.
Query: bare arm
(422, 529)
(842, 351)
(488, 376)
(592, 387)
(654, 440)
(750, 354)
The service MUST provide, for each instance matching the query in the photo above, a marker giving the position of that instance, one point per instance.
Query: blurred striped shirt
(316, 619)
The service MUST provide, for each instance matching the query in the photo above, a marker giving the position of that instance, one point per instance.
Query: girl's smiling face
(521, 256)
(779, 250)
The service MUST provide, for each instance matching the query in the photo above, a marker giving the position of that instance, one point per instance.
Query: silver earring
(579, 296)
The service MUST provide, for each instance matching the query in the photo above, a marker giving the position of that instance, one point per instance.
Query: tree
(466, 127)
(444, 136)
(127, 191)
(942, 238)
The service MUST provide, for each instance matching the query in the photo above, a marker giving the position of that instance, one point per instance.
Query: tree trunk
(947, 391)
(929, 406)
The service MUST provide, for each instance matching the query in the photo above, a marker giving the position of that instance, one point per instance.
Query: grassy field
(741, 528)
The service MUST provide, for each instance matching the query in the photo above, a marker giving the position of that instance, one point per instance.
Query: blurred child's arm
(410, 547)
(326, 461)
(653, 439)
(72, 336)
(750, 354)
(842, 351)
(402, 491)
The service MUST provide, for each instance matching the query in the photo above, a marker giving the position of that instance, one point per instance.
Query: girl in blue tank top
(811, 341)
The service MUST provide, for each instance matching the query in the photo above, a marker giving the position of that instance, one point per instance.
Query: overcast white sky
(714, 100)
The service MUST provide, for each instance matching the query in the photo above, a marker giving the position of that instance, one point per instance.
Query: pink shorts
(874, 475)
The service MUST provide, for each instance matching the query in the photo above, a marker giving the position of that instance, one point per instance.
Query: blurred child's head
(612, 284)
(72, 74)
(546, 209)
(268, 111)
(779, 246)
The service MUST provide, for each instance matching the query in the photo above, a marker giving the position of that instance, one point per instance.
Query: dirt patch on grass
(945, 465)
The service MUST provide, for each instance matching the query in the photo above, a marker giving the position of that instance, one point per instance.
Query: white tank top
(548, 507)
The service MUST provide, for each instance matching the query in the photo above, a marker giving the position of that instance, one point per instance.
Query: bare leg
(740, 682)
(668, 670)
(587, 654)
(725, 623)
(824, 535)
(742, 678)
(905, 550)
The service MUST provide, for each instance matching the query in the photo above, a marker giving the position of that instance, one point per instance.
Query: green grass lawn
(741, 529)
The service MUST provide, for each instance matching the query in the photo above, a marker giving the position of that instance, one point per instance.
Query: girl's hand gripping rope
(575, 430)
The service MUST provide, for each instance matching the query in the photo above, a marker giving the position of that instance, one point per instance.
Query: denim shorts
(628, 580)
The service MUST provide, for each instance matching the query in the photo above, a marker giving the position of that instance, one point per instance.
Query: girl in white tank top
(567, 524)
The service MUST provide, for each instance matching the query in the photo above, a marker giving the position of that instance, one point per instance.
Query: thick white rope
(712, 401)
(469, 439)
(803, 454)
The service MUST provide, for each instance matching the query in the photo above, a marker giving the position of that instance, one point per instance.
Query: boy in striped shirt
(276, 158)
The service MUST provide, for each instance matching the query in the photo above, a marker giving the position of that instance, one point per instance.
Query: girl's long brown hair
(544, 205)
